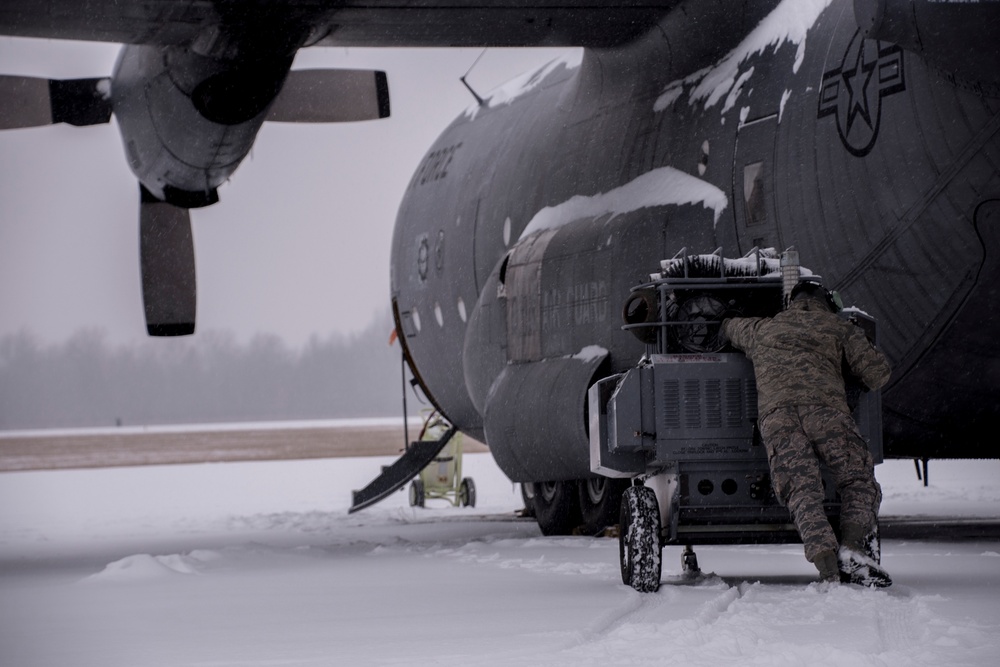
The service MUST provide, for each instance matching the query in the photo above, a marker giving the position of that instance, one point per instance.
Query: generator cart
(682, 424)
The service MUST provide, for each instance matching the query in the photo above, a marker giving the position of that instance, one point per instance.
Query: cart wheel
(639, 540)
(467, 492)
(417, 493)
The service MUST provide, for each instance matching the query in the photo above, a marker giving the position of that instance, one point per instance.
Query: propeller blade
(166, 251)
(32, 102)
(331, 96)
(25, 102)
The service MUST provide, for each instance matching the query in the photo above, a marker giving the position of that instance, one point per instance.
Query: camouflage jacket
(800, 354)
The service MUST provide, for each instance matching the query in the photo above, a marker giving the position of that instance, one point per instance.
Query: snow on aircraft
(866, 134)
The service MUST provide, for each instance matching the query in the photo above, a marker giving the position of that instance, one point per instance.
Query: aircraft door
(753, 185)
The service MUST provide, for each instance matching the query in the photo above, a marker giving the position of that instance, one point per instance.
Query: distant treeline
(210, 377)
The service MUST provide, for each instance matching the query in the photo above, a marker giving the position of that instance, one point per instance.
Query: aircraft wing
(593, 23)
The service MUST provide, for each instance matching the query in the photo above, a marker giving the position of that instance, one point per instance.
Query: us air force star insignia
(853, 92)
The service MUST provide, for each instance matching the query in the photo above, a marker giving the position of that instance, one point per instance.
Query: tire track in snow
(643, 607)
(520, 554)
(895, 624)
(713, 623)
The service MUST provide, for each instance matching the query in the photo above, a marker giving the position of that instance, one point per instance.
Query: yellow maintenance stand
(442, 477)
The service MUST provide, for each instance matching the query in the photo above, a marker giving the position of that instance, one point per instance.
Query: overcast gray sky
(299, 243)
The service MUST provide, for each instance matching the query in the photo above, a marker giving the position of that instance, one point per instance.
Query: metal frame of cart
(442, 477)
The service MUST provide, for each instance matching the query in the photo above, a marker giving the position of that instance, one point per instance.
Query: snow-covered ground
(260, 564)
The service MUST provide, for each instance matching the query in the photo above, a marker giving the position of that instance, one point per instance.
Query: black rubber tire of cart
(600, 502)
(467, 492)
(557, 507)
(417, 493)
(639, 548)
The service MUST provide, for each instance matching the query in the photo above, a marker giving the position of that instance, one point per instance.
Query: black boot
(859, 557)
(857, 568)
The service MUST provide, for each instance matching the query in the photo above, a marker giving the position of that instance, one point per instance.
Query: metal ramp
(417, 456)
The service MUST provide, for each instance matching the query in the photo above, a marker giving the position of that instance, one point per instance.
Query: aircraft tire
(557, 507)
(639, 548)
(528, 497)
(600, 502)
(417, 493)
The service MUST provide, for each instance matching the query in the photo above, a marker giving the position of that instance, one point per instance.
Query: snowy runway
(259, 564)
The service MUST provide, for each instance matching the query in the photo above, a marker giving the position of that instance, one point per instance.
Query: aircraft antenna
(480, 101)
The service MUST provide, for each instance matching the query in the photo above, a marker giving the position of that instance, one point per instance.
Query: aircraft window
(438, 315)
(461, 309)
(755, 210)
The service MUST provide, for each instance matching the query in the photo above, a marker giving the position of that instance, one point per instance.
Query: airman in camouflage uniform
(798, 356)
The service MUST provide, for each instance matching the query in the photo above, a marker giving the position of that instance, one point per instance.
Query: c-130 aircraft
(866, 134)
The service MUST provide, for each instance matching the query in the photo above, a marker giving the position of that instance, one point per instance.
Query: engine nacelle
(188, 120)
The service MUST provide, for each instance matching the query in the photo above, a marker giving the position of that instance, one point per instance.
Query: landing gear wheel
(600, 502)
(557, 507)
(467, 492)
(417, 493)
(528, 496)
(639, 549)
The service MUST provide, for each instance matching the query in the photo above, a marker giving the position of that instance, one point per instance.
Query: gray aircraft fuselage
(880, 168)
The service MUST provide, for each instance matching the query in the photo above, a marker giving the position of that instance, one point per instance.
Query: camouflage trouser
(797, 439)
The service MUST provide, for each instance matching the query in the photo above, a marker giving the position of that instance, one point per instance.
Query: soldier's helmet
(810, 287)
